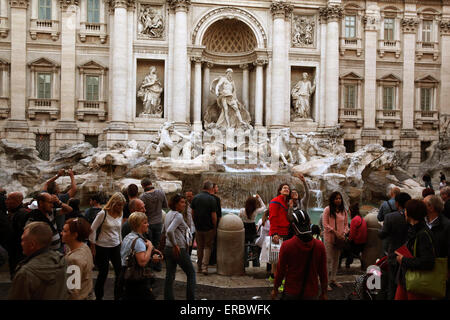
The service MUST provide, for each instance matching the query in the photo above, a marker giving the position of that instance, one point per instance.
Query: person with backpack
(302, 262)
(95, 201)
(105, 240)
(389, 205)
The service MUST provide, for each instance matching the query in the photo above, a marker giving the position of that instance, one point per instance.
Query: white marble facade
(71, 68)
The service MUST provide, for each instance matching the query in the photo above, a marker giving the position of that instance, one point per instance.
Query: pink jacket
(330, 223)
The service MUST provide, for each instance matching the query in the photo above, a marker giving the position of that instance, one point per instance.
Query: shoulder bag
(274, 250)
(339, 241)
(132, 270)
(428, 282)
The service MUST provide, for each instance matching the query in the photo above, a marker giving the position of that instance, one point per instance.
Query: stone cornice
(21, 4)
(331, 13)
(281, 9)
(445, 28)
(409, 25)
(260, 62)
(179, 4)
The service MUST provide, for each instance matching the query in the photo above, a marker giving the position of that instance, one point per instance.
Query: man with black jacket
(445, 195)
(439, 226)
(395, 233)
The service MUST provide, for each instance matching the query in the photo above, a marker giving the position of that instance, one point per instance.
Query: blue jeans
(154, 233)
(184, 261)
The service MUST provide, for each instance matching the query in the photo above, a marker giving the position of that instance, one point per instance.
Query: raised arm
(73, 186)
(53, 179)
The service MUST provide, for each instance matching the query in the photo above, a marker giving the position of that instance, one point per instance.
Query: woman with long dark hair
(335, 223)
(358, 234)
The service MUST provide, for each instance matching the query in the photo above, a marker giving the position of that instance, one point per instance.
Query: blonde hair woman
(105, 242)
(144, 252)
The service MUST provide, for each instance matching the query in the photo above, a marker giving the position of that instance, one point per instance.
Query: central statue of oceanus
(227, 111)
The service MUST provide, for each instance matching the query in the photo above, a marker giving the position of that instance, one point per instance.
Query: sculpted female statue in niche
(301, 94)
(150, 94)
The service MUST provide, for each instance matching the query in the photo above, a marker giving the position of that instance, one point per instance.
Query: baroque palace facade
(111, 71)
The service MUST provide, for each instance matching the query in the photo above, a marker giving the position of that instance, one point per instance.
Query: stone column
(278, 102)
(68, 62)
(245, 85)
(334, 14)
(371, 21)
(323, 58)
(119, 66)
(445, 65)
(205, 94)
(409, 57)
(180, 63)
(169, 66)
(259, 91)
(197, 93)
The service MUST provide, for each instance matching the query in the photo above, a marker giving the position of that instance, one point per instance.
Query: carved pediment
(427, 79)
(390, 78)
(92, 65)
(43, 63)
(351, 76)
(4, 62)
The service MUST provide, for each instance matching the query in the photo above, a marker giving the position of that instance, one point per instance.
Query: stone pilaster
(371, 22)
(445, 67)
(245, 85)
(280, 10)
(197, 93)
(17, 123)
(169, 65)
(180, 64)
(323, 57)
(259, 91)
(67, 122)
(206, 80)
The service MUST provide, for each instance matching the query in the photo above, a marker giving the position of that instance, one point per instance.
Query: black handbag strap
(307, 269)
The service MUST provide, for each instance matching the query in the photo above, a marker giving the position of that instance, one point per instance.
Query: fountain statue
(301, 96)
(150, 94)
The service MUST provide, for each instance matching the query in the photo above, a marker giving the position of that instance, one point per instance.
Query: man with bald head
(17, 216)
(389, 205)
(439, 226)
(135, 205)
(42, 274)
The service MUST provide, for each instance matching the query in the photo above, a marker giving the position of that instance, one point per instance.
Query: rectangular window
(388, 144)
(424, 145)
(93, 11)
(389, 25)
(350, 26)
(349, 146)
(350, 97)
(92, 88)
(425, 99)
(43, 146)
(388, 98)
(44, 86)
(45, 10)
(427, 28)
(92, 139)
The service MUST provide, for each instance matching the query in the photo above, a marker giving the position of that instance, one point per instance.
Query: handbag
(339, 242)
(428, 282)
(132, 270)
(274, 250)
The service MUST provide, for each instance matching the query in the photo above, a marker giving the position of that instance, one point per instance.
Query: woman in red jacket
(358, 234)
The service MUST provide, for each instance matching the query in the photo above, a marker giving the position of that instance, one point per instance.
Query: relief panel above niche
(150, 22)
(303, 31)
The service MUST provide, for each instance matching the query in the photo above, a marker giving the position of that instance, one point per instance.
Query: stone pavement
(253, 285)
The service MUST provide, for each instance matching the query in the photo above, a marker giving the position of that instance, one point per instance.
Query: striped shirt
(37, 215)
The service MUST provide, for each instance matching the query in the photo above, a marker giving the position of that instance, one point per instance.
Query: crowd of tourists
(53, 247)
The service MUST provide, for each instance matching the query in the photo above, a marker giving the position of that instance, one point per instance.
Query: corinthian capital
(66, 4)
(179, 4)
(281, 9)
(409, 25)
(23, 4)
(445, 27)
(118, 4)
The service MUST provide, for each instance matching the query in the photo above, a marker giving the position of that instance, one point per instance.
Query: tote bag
(428, 282)
(274, 250)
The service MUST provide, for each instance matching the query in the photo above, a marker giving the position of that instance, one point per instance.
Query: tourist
(253, 207)
(442, 184)
(427, 192)
(358, 234)
(389, 205)
(204, 208)
(440, 227)
(296, 204)
(263, 230)
(138, 290)
(395, 234)
(442, 177)
(189, 219)
(335, 223)
(278, 216)
(42, 274)
(6, 230)
(76, 213)
(75, 232)
(96, 207)
(213, 258)
(135, 205)
(46, 213)
(420, 246)
(445, 196)
(176, 251)
(132, 192)
(51, 187)
(155, 200)
(427, 179)
(17, 217)
(105, 239)
(302, 262)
